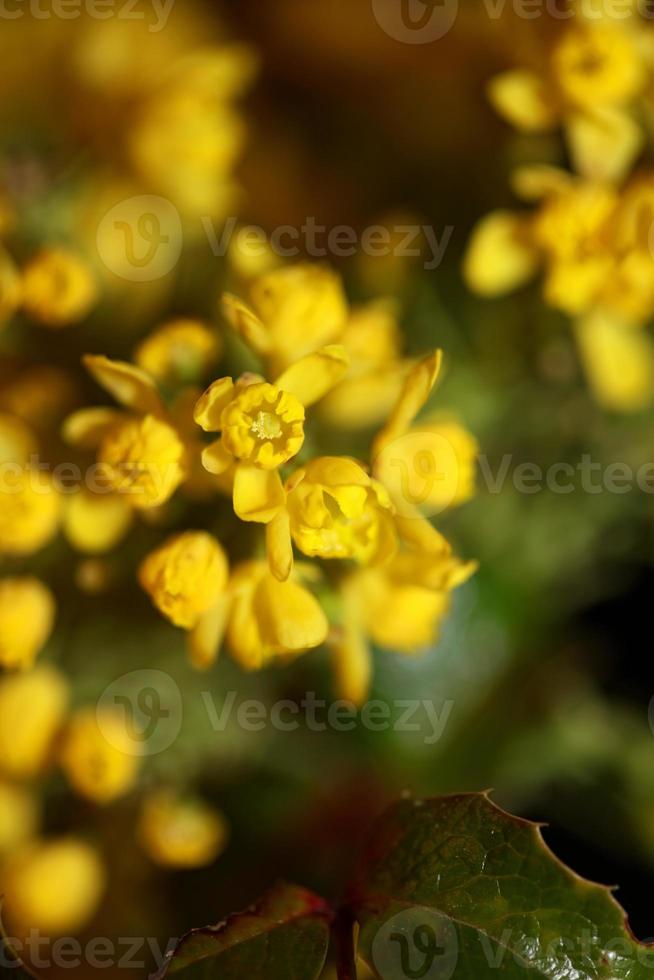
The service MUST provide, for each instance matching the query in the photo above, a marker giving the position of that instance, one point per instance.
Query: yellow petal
(209, 408)
(604, 145)
(419, 533)
(216, 459)
(415, 392)
(363, 401)
(204, 641)
(310, 378)
(522, 98)
(536, 181)
(246, 323)
(290, 618)
(500, 256)
(87, 428)
(618, 361)
(258, 494)
(279, 546)
(128, 384)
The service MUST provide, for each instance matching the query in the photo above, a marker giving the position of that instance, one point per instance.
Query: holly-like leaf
(285, 936)
(454, 887)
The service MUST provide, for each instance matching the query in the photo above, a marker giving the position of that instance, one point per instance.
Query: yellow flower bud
(94, 523)
(58, 288)
(144, 460)
(52, 886)
(181, 833)
(32, 709)
(178, 352)
(97, 755)
(185, 577)
(27, 611)
(30, 511)
(19, 817)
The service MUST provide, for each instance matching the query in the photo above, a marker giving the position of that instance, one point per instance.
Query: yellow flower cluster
(589, 233)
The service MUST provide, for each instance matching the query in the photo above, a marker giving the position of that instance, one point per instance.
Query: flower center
(266, 426)
(263, 425)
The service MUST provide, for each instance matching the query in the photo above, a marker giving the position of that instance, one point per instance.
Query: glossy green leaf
(284, 936)
(454, 887)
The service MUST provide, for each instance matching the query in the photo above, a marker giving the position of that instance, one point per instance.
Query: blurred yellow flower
(19, 818)
(178, 352)
(185, 577)
(97, 755)
(597, 68)
(58, 287)
(295, 310)
(262, 426)
(17, 441)
(32, 710)
(398, 606)
(181, 833)
(30, 511)
(618, 361)
(94, 523)
(27, 611)
(53, 886)
(10, 287)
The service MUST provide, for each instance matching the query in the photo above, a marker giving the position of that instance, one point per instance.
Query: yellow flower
(295, 310)
(32, 709)
(185, 577)
(10, 287)
(597, 68)
(179, 352)
(372, 339)
(398, 606)
(30, 511)
(337, 511)
(94, 523)
(40, 396)
(140, 450)
(181, 833)
(262, 426)
(19, 817)
(427, 467)
(264, 620)
(618, 361)
(97, 755)
(27, 611)
(53, 886)
(58, 288)
(143, 457)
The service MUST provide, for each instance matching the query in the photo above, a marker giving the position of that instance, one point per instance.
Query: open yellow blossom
(264, 620)
(140, 450)
(262, 427)
(295, 310)
(179, 352)
(30, 510)
(19, 817)
(58, 288)
(10, 287)
(185, 577)
(27, 611)
(181, 833)
(54, 886)
(597, 68)
(94, 523)
(97, 755)
(32, 709)
(398, 607)
(333, 510)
